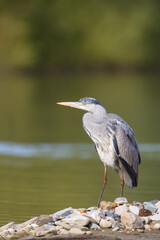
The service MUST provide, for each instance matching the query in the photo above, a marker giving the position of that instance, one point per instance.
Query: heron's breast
(107, 155)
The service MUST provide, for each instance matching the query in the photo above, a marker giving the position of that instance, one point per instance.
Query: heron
(114, 141)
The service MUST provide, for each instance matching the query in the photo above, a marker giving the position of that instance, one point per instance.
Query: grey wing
(127, 149)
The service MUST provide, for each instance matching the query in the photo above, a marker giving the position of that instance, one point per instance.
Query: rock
(121, 200)
(107, 205)
(95, 215)
(62, 213)
(115, 229)
(111, 214)
(156, 226)
(150, 206)
(140, 230)
(76, 231)
(131, 221)
(155, 217)
(44, 219)
(157, 204)
(144, 212)
(63, 232)
(92, 208)
(115, 224)
(105, 223)
(63, 225)
(82, 210)
(5, 227)
(42, 231)
(121, 210)
(134, 209)
(88, 232)
(94, 226)
(147, 227)
(110, 219)
(154, 201)
(76, 219)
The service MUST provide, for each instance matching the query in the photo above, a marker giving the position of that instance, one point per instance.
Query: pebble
(121, 200)
(157, 204)
(115, 224)
(156, 226)
(115, 229)
(76, 219)
(134, 209)
(94, 215)
(155, 217)
(76, 231)
(62, 213)
(121, 210)
(63, 225)
(44, 219)
(94, 226)
(147, 227)
(144, 212)
(63, 232)
(131, 221)
(107, 205)
(105, 223)
(150, 206)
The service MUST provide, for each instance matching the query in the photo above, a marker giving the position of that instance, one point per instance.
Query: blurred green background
(46, 34)
(60, 50)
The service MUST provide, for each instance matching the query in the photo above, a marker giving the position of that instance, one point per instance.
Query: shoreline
(112, 220)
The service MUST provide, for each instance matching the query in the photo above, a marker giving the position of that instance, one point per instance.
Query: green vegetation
(44, 34)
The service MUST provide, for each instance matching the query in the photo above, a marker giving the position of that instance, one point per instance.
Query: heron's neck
(97, 116)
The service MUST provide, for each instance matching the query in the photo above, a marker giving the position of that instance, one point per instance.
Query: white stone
(121, 210)
(156, 226)
(157, 204)
(147, 227)
(94, 215)
(110, 219)
(150, 206)
(63, 232)
(105, 223)
(121, 200)
(134, 209)
(88, 232)
(131, 221)
(115, 229)
(155, 217)
(63, 225)
(76, 219)
(76, 231)
(94, 226)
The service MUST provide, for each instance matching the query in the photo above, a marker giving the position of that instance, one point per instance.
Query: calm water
(47, 161)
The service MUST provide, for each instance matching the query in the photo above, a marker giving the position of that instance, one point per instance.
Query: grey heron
(114, 141)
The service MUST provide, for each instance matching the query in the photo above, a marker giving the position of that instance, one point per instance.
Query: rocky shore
(93, 223)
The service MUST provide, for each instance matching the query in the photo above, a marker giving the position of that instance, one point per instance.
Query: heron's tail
(129, 175)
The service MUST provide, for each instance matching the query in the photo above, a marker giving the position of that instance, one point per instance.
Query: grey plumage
(113, 138)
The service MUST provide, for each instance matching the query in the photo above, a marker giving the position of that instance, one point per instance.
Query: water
(47, 162)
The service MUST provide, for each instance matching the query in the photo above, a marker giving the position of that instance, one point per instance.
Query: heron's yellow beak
(72, 104)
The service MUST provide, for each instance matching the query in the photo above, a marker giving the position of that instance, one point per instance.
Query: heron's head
(88, 104)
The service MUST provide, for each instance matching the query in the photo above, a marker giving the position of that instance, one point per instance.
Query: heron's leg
(104, 184)
(122, 184)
